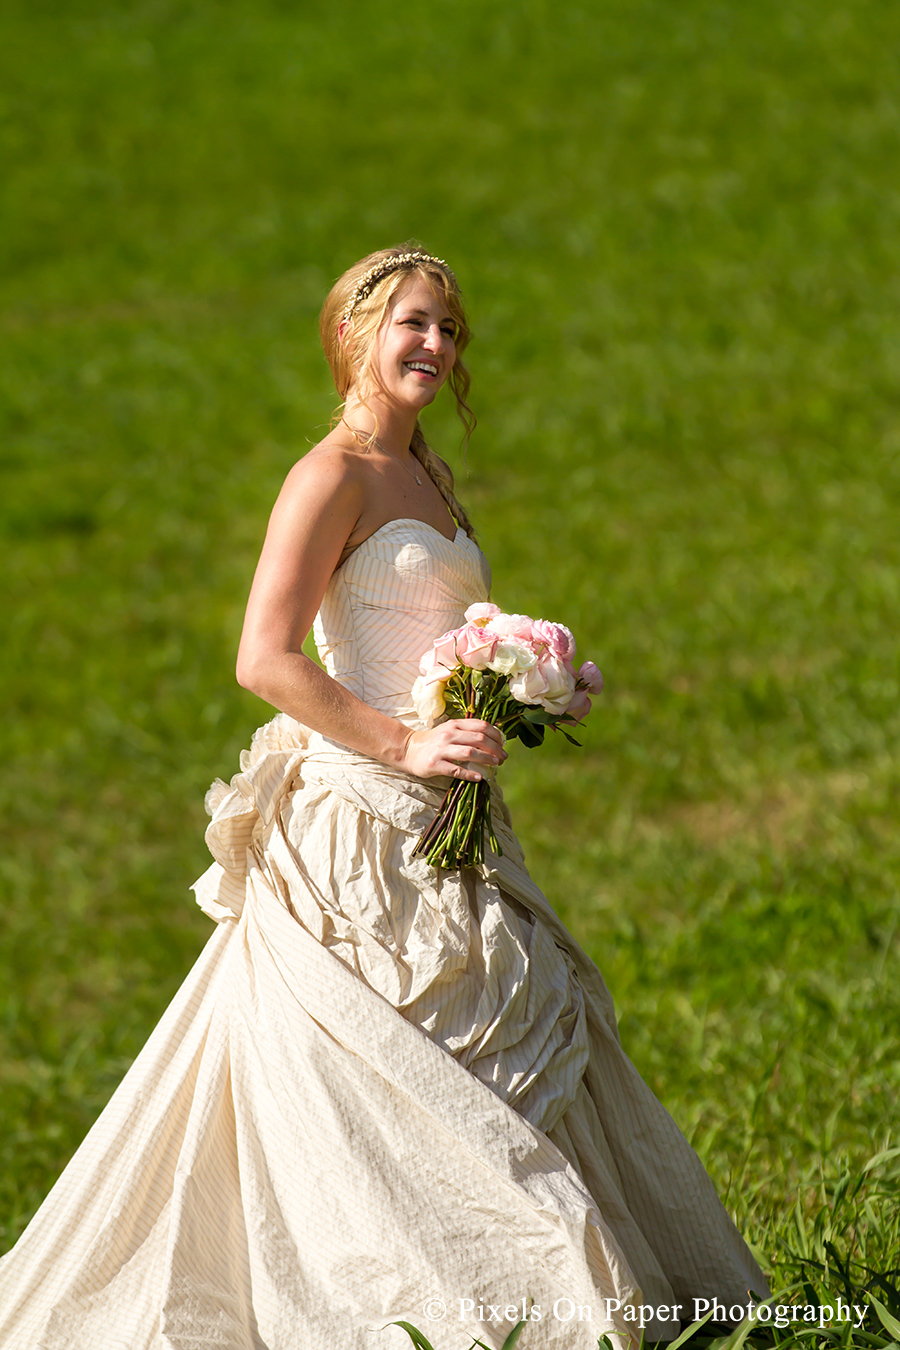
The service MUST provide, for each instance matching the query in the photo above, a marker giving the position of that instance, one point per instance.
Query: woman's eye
(449, 332)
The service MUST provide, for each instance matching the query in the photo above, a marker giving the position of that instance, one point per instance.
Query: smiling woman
(389, 327)
(385, 1090)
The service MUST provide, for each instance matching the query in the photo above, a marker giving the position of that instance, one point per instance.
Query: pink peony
(481, 613)
(590, 678)
(558, 638)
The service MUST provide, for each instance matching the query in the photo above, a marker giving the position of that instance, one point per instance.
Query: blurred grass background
(677, 228)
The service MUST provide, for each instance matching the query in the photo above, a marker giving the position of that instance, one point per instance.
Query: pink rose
(580, 705)
(558, 638)
(442, 655)
(517, 627)
(475, 646)
(481, 613)
(589, 678)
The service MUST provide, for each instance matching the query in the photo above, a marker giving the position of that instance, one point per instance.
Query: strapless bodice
(404, 586)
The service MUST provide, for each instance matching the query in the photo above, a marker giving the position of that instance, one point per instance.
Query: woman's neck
(393, 427)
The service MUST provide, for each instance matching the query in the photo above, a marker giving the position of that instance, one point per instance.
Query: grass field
(678, 226)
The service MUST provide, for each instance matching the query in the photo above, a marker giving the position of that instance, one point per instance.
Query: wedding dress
(382, 1091)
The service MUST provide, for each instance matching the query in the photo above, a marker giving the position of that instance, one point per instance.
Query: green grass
(678, 229)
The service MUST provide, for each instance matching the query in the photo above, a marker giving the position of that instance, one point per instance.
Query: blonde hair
(349, 355)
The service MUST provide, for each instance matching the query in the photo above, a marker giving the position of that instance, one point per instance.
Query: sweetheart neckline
(412, 520)
(408, 520)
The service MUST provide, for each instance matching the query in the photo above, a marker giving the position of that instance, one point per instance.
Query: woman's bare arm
(316, 511)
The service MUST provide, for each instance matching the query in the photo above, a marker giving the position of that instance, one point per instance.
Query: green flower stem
(455, 838)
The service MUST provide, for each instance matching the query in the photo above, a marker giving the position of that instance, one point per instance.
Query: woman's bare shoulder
(328, 475)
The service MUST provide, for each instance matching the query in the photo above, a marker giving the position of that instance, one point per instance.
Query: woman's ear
(342, 328)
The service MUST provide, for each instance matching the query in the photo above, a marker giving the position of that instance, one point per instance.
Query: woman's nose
(433, 338)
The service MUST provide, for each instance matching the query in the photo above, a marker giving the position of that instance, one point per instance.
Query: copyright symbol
(435, 1309)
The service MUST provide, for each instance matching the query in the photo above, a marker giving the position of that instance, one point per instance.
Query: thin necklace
(362, 436)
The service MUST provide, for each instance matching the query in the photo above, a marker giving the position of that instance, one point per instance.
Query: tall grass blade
(514, 1335)
(800, 1225)
(887, 1320)
(689, 1331)
(508, 1343)
(889, 1288)
(420, 1341)
(881, 1157)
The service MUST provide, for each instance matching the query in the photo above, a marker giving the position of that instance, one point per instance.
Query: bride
(383, 1092)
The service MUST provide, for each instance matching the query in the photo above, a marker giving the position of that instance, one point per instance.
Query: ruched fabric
(381, 1085)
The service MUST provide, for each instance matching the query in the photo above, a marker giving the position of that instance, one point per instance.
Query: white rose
(530, 686)
(560, 684)
(428, 699)
(512, 659)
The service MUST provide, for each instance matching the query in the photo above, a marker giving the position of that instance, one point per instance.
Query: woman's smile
(417, 341)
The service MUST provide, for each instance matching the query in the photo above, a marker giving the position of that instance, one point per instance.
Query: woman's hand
(453, 748)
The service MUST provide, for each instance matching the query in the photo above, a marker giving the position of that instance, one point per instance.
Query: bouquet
(514, 672)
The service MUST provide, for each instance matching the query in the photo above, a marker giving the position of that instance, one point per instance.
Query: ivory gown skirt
(380, 1085)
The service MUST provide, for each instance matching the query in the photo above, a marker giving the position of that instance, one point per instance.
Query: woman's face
(414, 350)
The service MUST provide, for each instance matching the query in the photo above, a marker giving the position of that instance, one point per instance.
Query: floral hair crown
(369, 280)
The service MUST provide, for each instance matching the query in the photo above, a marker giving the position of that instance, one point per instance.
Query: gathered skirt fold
(380, 1086)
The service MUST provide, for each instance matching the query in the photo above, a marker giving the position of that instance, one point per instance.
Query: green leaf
(880, 1281)
(529, 735)
(840, 1189)
(739, 1335)
(415, 1335)
(689, 1331)
(881, 1157)
(887, 1319)
(800, 1225)
(514, 1335)
(570, 739)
